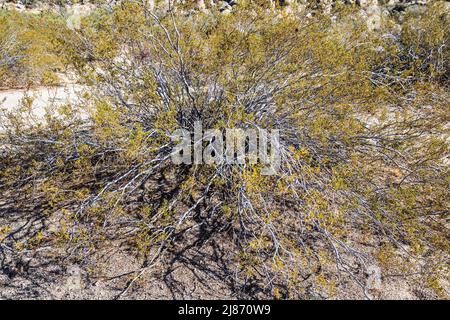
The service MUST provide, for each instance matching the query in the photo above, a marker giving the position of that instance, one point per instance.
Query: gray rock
(225, 8)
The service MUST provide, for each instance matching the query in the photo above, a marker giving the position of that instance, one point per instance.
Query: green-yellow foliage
(364, 130)
(28, 49)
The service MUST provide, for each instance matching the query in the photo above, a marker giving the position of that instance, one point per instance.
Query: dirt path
(43, 97)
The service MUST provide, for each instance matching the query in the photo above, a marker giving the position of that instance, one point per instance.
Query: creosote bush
(27, 52)
(363, 119)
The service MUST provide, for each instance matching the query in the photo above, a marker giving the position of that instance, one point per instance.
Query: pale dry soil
(45, 99)
(199, 266)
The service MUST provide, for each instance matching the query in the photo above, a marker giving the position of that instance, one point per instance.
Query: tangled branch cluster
(363, 120)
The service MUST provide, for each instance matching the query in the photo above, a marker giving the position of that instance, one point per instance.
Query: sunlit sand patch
(40, 101)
